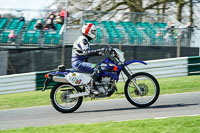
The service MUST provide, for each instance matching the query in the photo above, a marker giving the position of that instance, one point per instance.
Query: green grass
(38, 98)
(25, 99)
(169, 125)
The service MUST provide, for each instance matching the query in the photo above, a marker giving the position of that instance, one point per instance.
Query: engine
(106, 87)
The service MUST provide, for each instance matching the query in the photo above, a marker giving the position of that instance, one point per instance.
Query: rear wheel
(149, 89)
(60, 98)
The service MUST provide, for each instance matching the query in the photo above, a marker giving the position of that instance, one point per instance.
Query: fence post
(178, 52)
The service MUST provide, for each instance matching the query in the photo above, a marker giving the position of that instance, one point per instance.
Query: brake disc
(143, 89)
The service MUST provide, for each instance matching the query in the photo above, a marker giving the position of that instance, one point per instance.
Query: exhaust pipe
(60, 79)
(78, 95)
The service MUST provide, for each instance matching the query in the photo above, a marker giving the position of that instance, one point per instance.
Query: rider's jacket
(81, 49)
(80, 53)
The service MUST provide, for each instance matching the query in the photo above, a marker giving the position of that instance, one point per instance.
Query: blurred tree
(136, 5)
(191, 10)
(180, 4)
(143, 6)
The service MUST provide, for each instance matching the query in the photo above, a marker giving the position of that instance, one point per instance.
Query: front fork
(129, 77)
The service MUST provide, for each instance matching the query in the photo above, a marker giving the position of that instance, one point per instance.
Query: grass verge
(169, 125)
(38, 98)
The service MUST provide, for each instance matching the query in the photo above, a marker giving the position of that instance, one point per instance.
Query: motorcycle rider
(81, 52)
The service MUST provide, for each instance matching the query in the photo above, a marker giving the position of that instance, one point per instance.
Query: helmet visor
(94, 32)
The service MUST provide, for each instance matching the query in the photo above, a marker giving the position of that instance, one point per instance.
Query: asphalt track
(184, 104)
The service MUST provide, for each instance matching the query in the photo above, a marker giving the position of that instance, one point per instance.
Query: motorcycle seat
(71, 70)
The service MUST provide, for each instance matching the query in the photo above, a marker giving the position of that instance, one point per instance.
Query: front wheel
(149, 89)
(60, 98)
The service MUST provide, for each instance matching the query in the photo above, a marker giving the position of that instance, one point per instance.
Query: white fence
(163, 68)
(17, 83)
(159, 68)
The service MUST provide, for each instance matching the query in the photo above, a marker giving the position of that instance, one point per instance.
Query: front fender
(134, 61)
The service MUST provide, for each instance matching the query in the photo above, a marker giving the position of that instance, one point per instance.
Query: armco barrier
(159, 68)
(17, 83)
(163, 68)
(194, 65)
(40, 80)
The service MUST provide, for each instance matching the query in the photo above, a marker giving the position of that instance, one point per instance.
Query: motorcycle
(141, 89)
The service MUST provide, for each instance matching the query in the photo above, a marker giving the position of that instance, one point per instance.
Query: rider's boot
(96, 80)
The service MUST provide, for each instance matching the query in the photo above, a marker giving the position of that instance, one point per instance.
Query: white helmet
(89, 29)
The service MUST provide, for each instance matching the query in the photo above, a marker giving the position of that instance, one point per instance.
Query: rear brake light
(46, 75)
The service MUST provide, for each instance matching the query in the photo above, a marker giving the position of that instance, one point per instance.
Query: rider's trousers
(83, 66)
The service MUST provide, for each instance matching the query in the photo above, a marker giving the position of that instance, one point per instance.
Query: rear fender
(56, 77)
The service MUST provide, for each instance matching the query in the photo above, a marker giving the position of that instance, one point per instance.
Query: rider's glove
(104, 51)
(107, 50)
